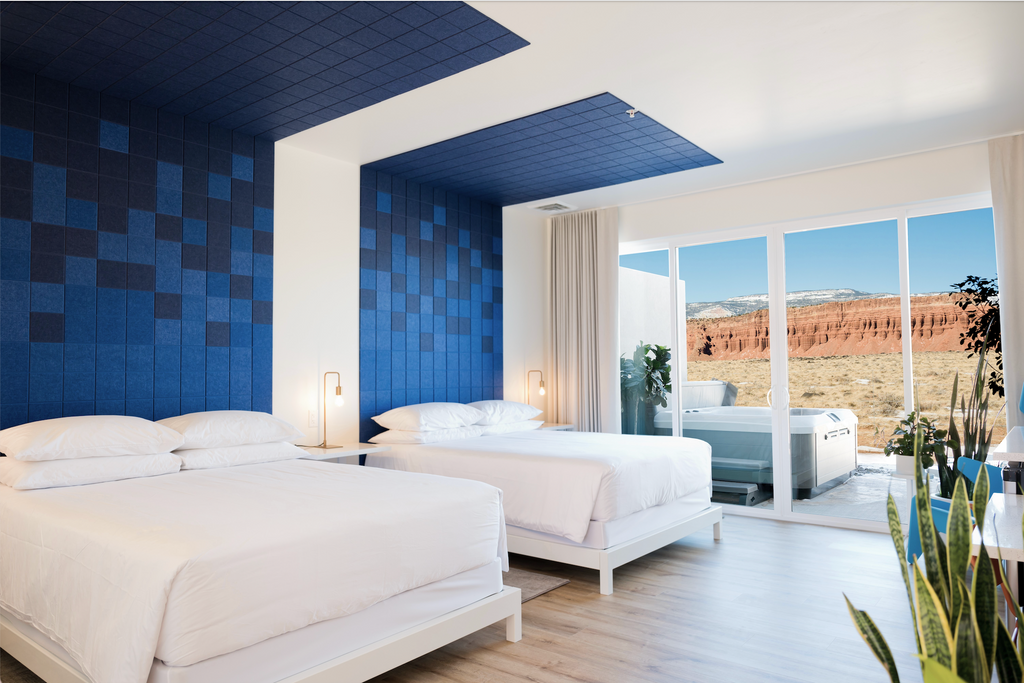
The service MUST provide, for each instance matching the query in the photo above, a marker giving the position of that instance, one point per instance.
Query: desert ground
(869, 385)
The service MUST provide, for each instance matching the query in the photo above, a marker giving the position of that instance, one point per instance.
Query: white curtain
(584, 386)
(1006, 171)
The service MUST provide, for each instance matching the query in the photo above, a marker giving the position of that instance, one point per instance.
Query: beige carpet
(531, 583)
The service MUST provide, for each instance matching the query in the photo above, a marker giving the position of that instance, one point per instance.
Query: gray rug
(531, 583)
(11, 671)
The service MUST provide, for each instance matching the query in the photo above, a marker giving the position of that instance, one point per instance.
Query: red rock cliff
(833, 329)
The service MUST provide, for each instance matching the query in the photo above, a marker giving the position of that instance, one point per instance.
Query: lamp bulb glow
(339, 399)
(542, 391)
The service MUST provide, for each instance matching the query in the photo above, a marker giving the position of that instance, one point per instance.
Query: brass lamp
(542, 391)
(339, 400)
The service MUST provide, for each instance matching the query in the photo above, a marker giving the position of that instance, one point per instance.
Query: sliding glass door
(844, 339)
(798, 348)
(724, 378)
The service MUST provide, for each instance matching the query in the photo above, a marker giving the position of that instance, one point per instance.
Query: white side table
(344, 456)
(557, 427)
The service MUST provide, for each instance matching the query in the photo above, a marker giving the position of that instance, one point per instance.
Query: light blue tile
(15, 142)
(168, 175)
(219, 186)
(241, 167)
(81, 214)
(263, 219)
(112, 246)
(47, 297)
(193, 231)
(141, 223)
(114, 136)
(80, 271)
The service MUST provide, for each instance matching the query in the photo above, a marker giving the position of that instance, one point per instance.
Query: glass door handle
(785, 397)
(769, 397)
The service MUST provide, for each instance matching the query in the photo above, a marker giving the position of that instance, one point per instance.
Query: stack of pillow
(69, 451)
(224, 438)
(434, 422)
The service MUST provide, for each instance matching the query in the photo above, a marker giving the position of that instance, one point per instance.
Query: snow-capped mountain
(738, 305)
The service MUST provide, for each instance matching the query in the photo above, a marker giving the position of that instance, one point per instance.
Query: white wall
(525, 274)
(915, 178)
(316, 290)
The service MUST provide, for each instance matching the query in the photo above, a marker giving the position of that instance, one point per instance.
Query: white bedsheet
(557, 482)
(192, 565)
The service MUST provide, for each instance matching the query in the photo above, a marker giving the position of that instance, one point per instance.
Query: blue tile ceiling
(575, 147)
(267, 69)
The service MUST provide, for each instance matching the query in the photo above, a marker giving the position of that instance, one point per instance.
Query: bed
(590, 500)
(291, 571)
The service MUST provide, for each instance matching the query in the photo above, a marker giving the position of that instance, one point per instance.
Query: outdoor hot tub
(823, 444)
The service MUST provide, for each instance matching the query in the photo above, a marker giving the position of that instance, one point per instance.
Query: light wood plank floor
(764, 605)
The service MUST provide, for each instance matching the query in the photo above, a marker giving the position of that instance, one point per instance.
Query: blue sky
(943, 249)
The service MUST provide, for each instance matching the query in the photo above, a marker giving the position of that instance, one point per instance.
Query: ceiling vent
(554, 207)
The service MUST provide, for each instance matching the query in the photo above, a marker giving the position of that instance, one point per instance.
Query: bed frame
(353, 667)
(608, 559)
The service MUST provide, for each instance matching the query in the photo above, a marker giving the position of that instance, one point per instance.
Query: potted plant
(645, 381)
(960, 635)
(933, 445)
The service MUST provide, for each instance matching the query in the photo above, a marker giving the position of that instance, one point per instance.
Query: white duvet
(556, 482)
(188, 566)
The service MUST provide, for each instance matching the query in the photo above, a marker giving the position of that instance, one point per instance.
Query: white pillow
(426, 417)
(221, 428)
(229, 456)
(508, 427)
(499, 412)
(433, 436)
(20, 474)
(87, 436)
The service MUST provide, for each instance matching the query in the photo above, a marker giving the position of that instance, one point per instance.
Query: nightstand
(557, 427)
(348, 455)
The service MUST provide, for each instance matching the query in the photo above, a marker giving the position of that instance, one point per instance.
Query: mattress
(604, 535)
(197, 564)
(557, 482)
(291, 653)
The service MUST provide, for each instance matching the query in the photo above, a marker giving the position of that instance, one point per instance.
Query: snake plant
(960, 635)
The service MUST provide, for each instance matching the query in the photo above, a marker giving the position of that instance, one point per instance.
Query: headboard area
(430, 297)
(137, 259)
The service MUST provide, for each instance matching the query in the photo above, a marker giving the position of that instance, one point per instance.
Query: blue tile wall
(579, 146)
(430, 297)
(136, 258)
(261, 68)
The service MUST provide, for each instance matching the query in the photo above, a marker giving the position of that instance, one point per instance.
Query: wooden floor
(763, 605)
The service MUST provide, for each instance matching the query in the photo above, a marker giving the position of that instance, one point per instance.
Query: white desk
(1010, 449)
(1003, 521)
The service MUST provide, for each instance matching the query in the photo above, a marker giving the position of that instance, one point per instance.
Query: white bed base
(608, 559)
(353, 667)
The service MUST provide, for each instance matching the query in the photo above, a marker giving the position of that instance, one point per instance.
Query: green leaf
(1008, 663)
(873, 637)
(958, 531)
(971, 663)
(936, 638)
(933, 561)
(896, 532)
(981, 489)
(983, 595)
(934, 672)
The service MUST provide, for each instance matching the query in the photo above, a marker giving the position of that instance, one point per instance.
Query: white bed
(592, 500)
(285, 571)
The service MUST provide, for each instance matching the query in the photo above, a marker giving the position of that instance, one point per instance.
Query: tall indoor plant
(645, 381)
(959, 634)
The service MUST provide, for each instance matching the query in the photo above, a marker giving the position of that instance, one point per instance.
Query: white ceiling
(772, 89)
